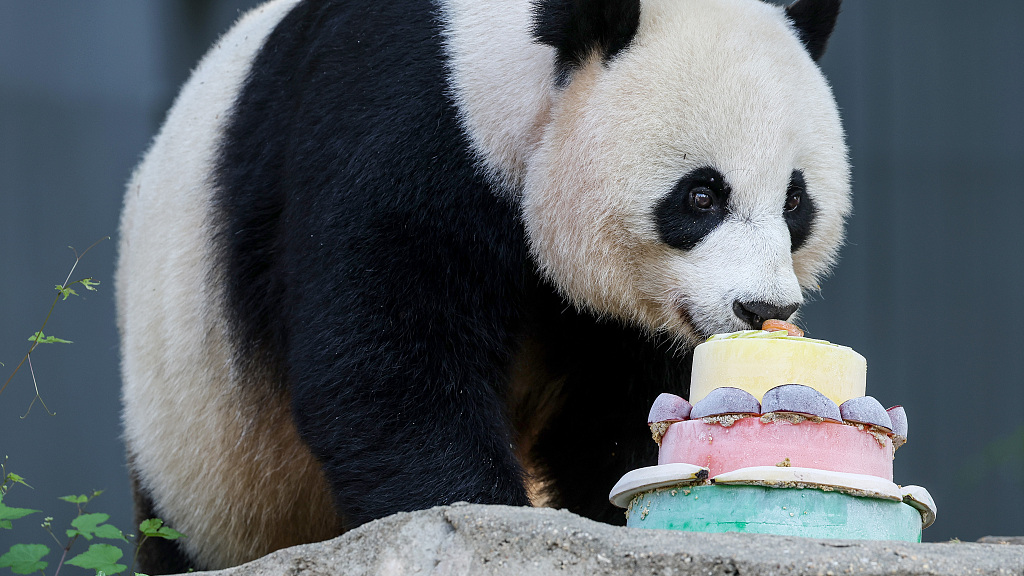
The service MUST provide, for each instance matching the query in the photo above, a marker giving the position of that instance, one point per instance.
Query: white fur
(223, 460)
(501, 81)
(722, 83)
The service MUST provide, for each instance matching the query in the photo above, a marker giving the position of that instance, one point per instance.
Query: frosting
(756, 361)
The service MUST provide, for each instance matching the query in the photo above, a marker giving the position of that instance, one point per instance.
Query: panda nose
(755, 313)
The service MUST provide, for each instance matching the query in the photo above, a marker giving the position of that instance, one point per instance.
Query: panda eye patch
(799, 211)
(695, 206)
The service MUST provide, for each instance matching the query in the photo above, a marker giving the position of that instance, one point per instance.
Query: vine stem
(78, 258)
(71, 542)
(135, 557)
(38, 397)
(64, 555)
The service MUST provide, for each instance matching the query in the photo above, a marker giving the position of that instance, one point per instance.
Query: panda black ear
(814, 21)
(578, 28)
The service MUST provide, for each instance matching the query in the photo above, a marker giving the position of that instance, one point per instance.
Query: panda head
(692, 177)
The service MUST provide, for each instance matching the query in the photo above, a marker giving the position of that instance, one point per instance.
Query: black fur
(367, 255)
(682, 223)
(814, 21)
(610, 376)
(155, 555)
(800, 220)
(389, 286)
(579, 28)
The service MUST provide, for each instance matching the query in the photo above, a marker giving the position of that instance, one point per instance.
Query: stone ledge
(476, 540)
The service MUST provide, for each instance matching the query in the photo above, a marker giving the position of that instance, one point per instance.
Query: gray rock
(476, 540)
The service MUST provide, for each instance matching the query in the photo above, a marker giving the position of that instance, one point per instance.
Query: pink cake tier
(727, 444)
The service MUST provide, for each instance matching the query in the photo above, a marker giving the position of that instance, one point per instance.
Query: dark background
(928, 287)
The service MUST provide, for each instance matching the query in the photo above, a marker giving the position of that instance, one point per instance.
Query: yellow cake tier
(757, 361)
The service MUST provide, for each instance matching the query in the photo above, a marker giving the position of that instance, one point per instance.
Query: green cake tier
(805, 512)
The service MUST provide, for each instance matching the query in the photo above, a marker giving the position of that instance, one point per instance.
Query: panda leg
(402, 440)
(610, 377)
(398, 378)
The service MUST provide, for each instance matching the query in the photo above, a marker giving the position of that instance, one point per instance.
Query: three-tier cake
(779, 439)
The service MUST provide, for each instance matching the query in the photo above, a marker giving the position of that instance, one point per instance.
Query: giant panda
(384, 256)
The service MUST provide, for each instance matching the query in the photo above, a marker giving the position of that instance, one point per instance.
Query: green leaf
(110, 532)
(100, 557)
(92, 525)
(12, 477)
(90, 521)
(43, 339)
(80, 499)
(87, 525)
(152, 524)
(65, 291)
(9, 513)
(89, 283)
(25, 558)
(169, 533)
(154, 528)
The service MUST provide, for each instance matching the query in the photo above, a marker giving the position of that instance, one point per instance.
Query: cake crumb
(880, 434)
(658, 430)
(784, 464)
(725, 420)
(813, 486)
(790, 417)
(645, 510)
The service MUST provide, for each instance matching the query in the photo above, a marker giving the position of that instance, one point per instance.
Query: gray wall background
(928, 287)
